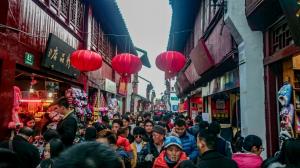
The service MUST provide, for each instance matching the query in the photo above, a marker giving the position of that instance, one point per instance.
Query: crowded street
(150, 84)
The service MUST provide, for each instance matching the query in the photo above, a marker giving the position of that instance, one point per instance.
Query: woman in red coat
(172, 154)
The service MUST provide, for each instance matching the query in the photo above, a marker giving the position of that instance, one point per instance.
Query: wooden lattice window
(55, 3)
(73, 11)
(279, 37)
(64, 7)
(79, 14)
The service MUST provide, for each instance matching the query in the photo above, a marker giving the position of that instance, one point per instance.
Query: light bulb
(50, 94)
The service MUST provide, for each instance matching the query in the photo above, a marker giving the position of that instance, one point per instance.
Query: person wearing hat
(172, 155)
(154, 147)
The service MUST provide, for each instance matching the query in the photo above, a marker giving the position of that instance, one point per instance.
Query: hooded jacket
(160, 161)
(213, 159)
(247, 160)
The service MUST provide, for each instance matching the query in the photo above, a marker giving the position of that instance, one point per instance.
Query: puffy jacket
(137, 157)
(160, 161)
(189, 145)
(247, 160)
(124, 143)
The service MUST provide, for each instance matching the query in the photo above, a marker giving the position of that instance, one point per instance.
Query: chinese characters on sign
(57, 56)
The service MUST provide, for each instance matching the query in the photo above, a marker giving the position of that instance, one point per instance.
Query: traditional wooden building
(279, 22)
(37, 38)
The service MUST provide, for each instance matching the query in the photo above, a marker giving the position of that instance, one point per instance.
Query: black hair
(139, 122)
(138, 131)
(117, 114)
(105, 118)
(118, 121)
(147, 115)
(50, 134)
(180, 122)
(209, 138)
(163, 124)
(88, 155)
(215, 127)
(99, 127)
(62, 102)
(90, 133)
(56, 147)
(186, 164)
(126, 117)
(250, 141)
(122, 130)
(203, 125)
(26, 131)
(148, 121)
(198, 118)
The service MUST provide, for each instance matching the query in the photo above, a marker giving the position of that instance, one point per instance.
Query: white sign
(110, 86)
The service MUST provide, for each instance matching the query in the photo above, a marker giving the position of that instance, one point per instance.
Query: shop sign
(57, 56)
(110, 86)
(291, 9)
(29, 59)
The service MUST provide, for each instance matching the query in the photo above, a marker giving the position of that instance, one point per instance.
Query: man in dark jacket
(67, 127)
(27, 153)
(188, 141)
(210, 158)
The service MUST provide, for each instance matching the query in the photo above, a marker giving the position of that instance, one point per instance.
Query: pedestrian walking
(210, 158)
(172, 154)
(67, 127)
(137, 147)
(250, 158)
(52, 150)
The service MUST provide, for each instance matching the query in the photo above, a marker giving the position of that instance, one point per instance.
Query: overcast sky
(148, 22)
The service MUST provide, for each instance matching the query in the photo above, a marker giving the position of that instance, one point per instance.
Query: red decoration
(85, 60)
(197, 100)
(171, 62)
(126, 64)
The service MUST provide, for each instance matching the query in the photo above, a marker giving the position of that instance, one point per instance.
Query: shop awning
(183, 81)
(201, 58)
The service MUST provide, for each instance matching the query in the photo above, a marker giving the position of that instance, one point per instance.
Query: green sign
(174, 98)
(29, 59)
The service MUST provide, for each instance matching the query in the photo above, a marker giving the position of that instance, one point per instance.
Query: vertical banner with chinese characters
(57, 56)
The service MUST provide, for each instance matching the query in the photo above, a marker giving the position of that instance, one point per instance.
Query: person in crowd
(126, 122)
(52, 150)
(252, 147)
(279, 160)
(188, 140)
(154, 147)
(140, 124)
(122, 141)
(27, 153)
(194, 130)
(189, 122)
(147, 116)
(29, 121)
(90, 134)
(139, 118)
(222, 146)
(210, 158)
(186, 164)
(237, 142)
(149, 129)
(99, 126)
(105, 121)
(88, 155)
(116, 116)
(172, 154)
(67, 127)
(50, 134)
(116, 125)
(109, 138)
(9, 159)
(137, 147)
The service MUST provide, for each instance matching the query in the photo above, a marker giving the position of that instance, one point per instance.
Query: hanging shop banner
(110, 86)
(57, 56)
(122, 88)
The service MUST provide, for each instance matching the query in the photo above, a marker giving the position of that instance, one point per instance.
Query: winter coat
(224, 147)
(67, 129)
(194, 130)
(160, 161)
(247, 160)
(124, 143)
(213, 159)
(149, 149)
(125, 156)
(189, 146)
(27, 153)
(136, 160)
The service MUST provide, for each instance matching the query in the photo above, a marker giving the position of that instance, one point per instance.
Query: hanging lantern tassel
(126, 78)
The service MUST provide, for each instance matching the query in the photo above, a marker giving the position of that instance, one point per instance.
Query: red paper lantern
(171, 62)
(126, 64)
(85, 60)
